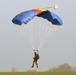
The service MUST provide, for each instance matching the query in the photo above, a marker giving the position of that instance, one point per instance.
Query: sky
(15, 51)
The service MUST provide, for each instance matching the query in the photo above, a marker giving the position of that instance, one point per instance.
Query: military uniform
(36, 57)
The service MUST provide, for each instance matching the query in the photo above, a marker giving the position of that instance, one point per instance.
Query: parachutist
(35, 59)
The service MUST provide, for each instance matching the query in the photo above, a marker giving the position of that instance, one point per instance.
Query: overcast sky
(15, 51)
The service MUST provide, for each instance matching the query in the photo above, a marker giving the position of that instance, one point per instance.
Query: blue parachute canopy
(25, 17)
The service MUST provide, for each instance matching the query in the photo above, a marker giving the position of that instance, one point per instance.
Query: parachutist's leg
(33, 64)
(36, 64)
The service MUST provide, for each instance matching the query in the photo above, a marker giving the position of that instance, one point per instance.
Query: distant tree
(62, 67)
(65, 67)
(14, 69)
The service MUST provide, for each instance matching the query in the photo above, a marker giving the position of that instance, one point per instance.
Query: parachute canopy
(37, 31)
(26, 16)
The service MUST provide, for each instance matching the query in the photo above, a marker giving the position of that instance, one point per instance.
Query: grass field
(37, 73)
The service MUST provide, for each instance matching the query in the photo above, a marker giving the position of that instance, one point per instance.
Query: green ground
(37, 73)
